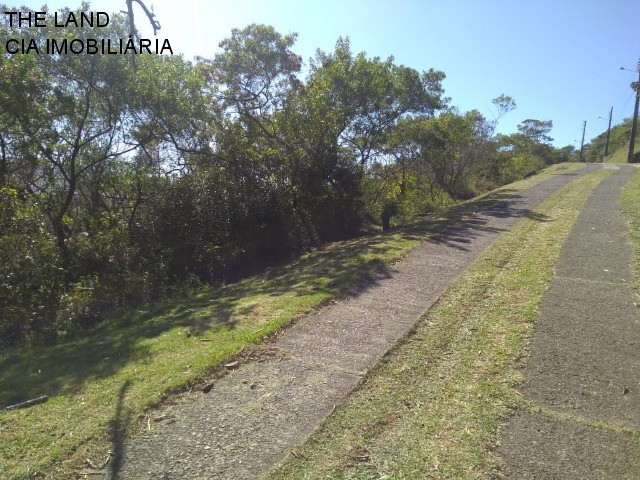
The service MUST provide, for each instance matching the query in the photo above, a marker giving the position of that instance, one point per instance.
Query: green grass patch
(631, 208)
(106, 385)
(432, 408)
(621, 155)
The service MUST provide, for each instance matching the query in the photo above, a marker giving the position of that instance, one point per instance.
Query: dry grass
(433, 407)
(631, 208)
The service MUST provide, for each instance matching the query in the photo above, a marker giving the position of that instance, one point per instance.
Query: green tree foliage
(68, 117)
(619, 137)
(30, 269)
(433, 159)
(120, 182)
(536, 131)
(353, 105)
(525, 152)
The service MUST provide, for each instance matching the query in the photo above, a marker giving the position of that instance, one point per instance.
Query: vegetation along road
(234, 267)
(452, 374)
(263, 410)
(433, 406)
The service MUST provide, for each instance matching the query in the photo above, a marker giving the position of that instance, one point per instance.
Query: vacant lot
(148, 354)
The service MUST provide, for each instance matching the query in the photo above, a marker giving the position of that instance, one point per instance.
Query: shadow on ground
(118, 431)
(64, 368)
(466, 230)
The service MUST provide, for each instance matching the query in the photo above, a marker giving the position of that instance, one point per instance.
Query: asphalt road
(583, 372)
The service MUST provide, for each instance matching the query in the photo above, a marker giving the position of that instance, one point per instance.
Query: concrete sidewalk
(583, 373)
(252, 418)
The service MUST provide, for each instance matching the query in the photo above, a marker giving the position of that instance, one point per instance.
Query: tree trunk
(3, 161)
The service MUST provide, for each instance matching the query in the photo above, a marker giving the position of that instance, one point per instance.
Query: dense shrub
(31, 275)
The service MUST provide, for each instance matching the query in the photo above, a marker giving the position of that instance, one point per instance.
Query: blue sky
(559, 59)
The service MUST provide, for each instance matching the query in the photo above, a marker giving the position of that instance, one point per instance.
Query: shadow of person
(118, 428)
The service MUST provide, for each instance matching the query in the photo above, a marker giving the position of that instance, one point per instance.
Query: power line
(622, 110)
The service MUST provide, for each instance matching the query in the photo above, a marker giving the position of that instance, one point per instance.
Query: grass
(631, 208)
(433, 406)
(104, 387)
(621, 155)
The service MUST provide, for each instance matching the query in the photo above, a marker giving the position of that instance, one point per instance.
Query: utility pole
(584, 128)
(606, 145)
(634, 125)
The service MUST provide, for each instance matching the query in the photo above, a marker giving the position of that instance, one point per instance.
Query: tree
(619, 137)
(525, 152)
(370, 96)
(67, 114)
(536, 130)
(454, 147)
(153, 173)
(256, 71)
(340, 121)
